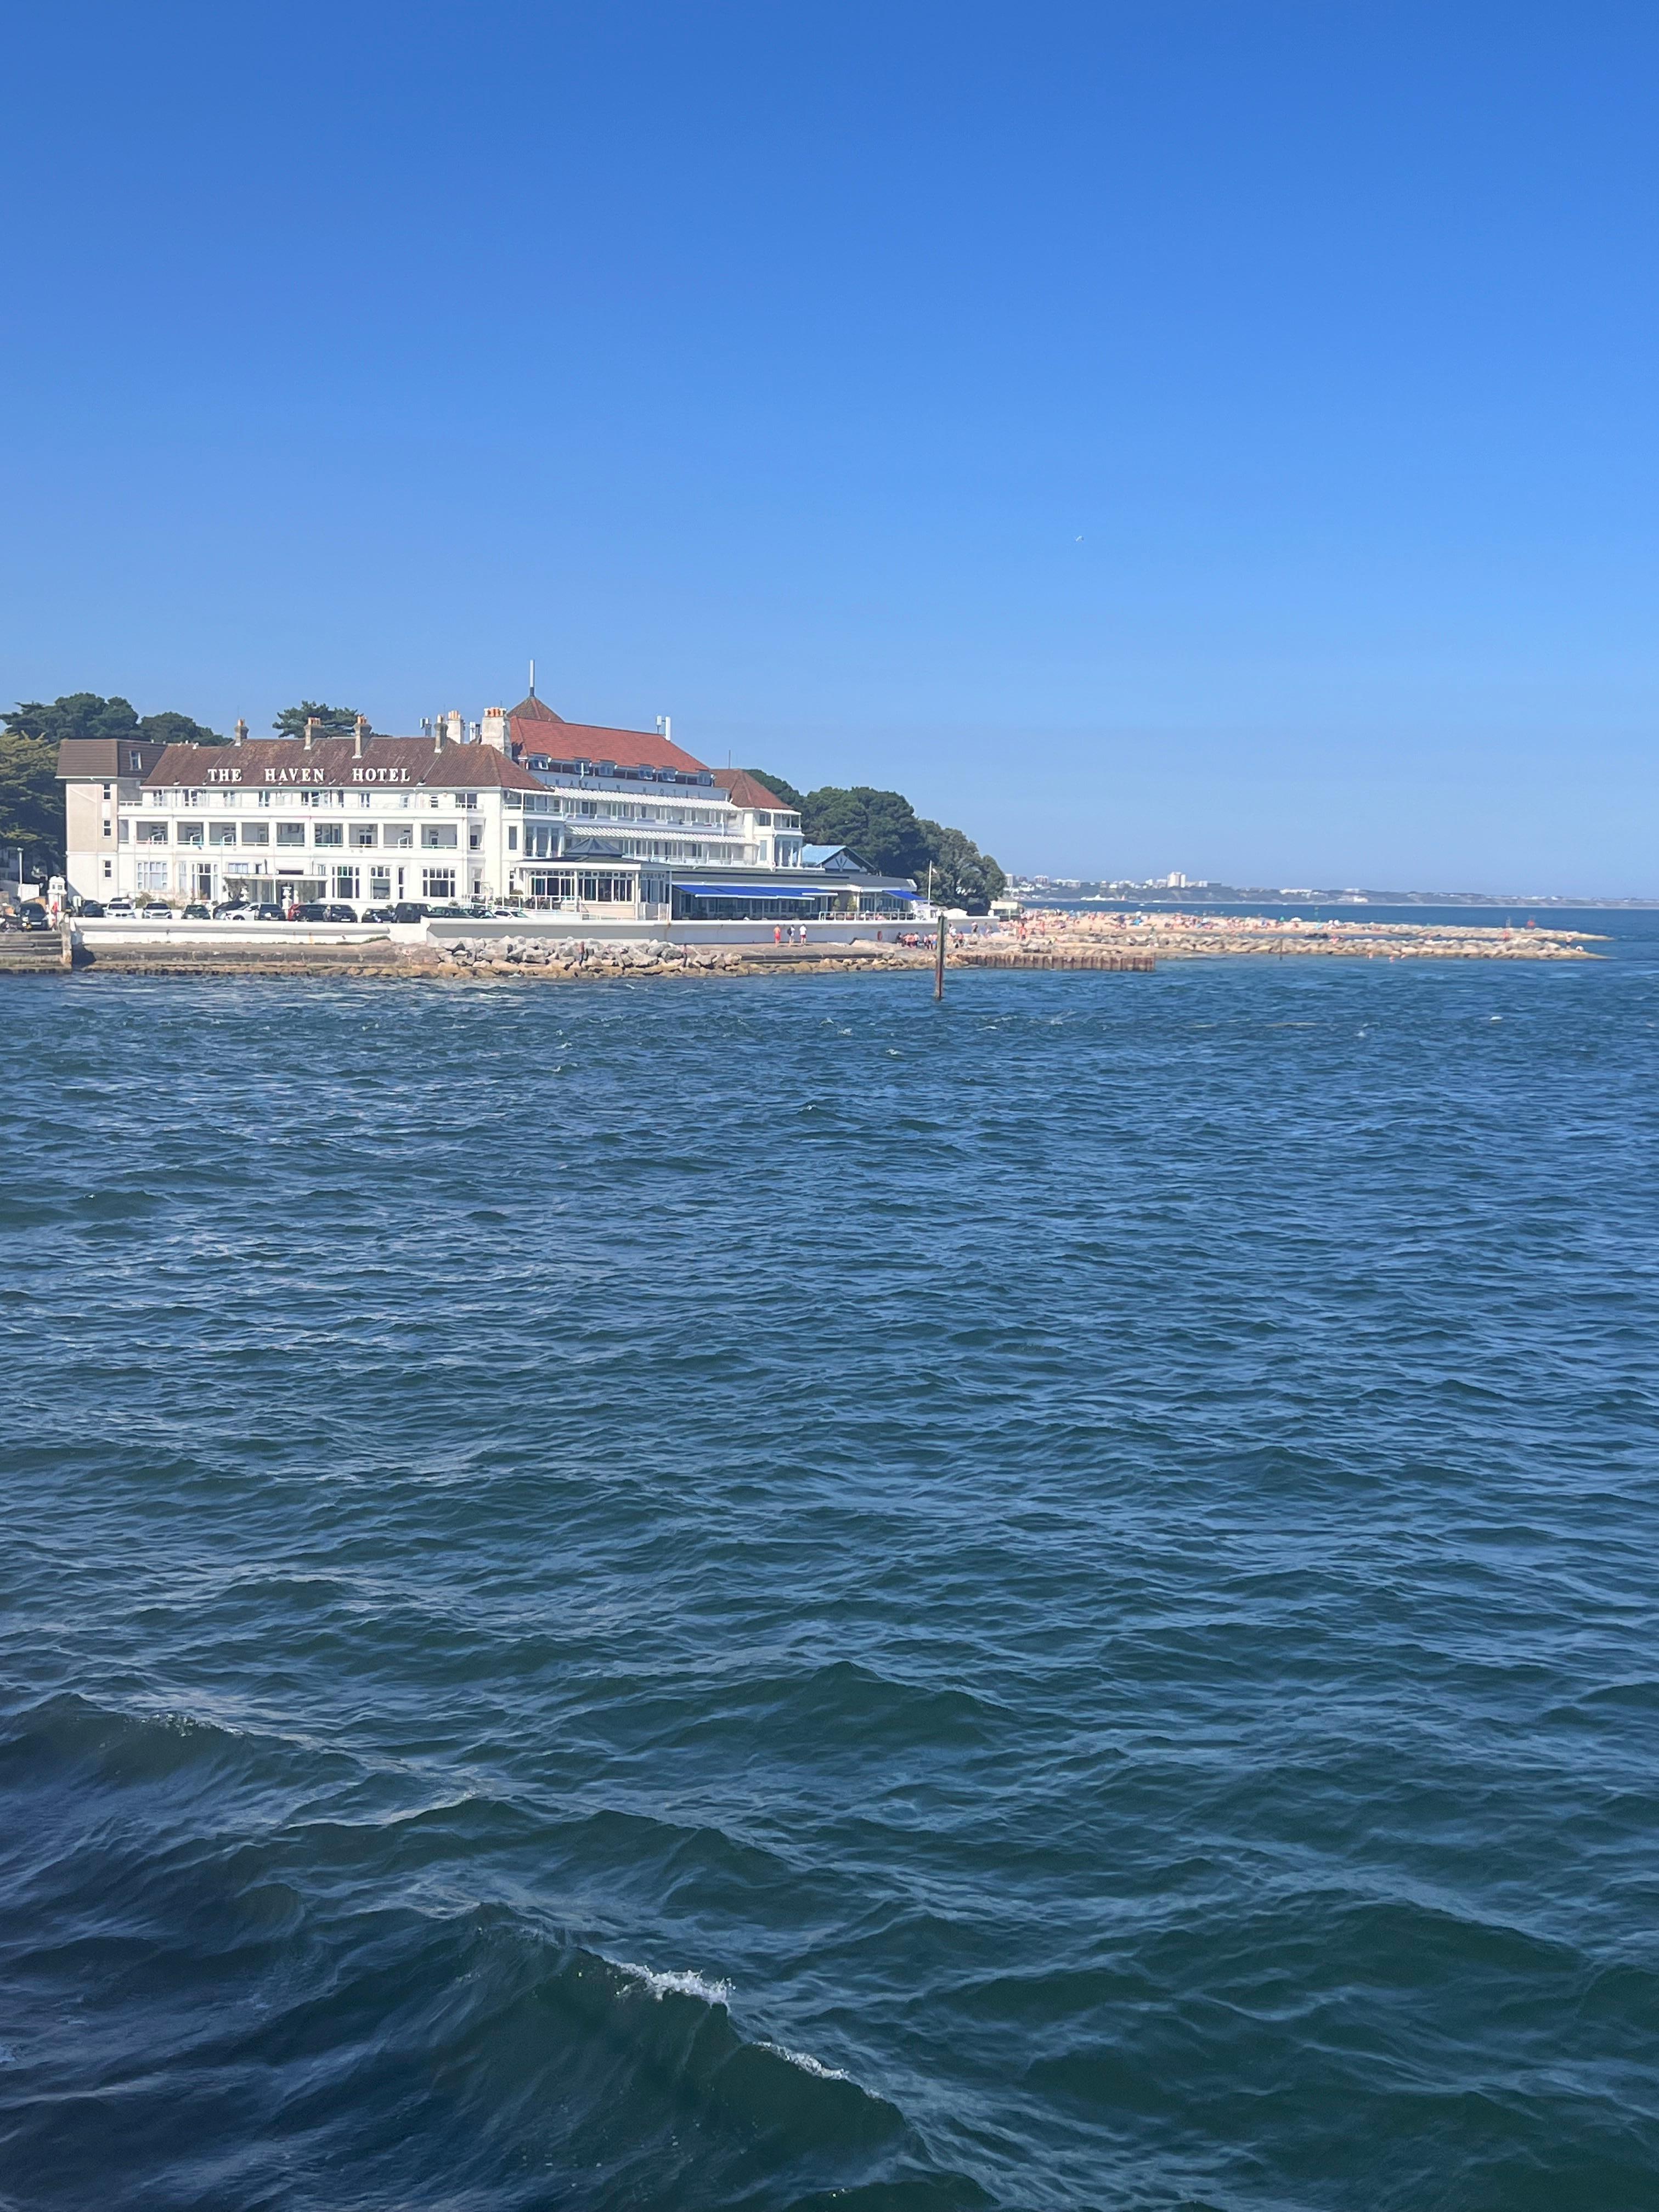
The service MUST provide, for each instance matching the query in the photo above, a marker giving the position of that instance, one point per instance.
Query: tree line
(31, 798)
(884, 830)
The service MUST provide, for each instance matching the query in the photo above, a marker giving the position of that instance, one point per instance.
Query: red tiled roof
(334, 763)
(588, 741)
(534, 709)
(743, 790)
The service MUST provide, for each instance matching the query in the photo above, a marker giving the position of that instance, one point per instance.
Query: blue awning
(757, 890)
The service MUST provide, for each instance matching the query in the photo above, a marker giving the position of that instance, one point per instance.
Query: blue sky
(1206, 436)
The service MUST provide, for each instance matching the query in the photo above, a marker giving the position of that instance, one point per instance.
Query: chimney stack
(457, 722)
(313, 726)
(360, 734)
(241, 731)
(438, 735)
(492, 731)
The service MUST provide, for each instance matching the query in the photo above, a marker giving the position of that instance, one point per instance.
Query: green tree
(963, 875)
(775, 784)
(77, 714)
(172, 729)
(337, 721)
(879, 828)
(31, 805)
(86, 714)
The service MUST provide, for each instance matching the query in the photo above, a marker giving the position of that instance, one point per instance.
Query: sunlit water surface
(702, 1594)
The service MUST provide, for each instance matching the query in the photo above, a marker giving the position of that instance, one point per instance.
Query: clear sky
(1213, 434)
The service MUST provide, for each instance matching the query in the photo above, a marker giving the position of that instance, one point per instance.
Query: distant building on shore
(520, 808)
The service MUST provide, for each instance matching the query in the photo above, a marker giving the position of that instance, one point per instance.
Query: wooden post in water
(939, 963)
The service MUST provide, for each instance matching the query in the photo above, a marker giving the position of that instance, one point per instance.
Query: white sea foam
(685, 1985)
(807, 2063)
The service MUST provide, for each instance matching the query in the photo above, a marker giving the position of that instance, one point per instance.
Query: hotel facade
(521, 808)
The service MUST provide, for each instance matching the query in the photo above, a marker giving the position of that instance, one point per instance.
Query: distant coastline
(1181, 894)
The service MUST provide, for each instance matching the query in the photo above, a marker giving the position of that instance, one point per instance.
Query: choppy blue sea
(707, 1594)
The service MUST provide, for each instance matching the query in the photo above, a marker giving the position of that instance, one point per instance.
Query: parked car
(409, 911)
(339, 914)
(32, 915)
(120, 906)
(450, 912)
(379, 914)
(90, 910)
(268, 910)
(313, 910)
(232, 910)
(197, 912)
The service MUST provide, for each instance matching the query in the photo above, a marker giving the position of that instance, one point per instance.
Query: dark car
(313, 910)
(90, 910)
(451, 912)
(339, 914)
(32, 915)
(268, 910)
(379, 914)
(409, 911)
(197, 912)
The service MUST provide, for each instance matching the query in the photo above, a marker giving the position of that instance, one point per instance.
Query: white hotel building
(522, 808)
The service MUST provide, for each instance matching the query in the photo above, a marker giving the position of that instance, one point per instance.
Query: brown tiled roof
(475, 768)
(334, 763)
(743, 790)
(104, 757)
(547, 732)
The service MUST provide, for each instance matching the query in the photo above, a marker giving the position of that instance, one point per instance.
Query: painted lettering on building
(223, 774)
(379, 775)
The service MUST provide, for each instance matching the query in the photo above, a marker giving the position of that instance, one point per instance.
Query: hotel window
(190, 832)
(106, 791)
(345, 882)
(152, 875)
(474, 837)
(290, 833)
(152, 833)
(109, 829)
(399, 837)
(467, 801)
(109, 870)
(363, 834)
(380, 883)
(439, 836)
(511, 836)
(328, 833)
(221, 833)
(437, 883)
(256, 833)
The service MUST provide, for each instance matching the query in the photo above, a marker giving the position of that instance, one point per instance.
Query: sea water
(706, 1593)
